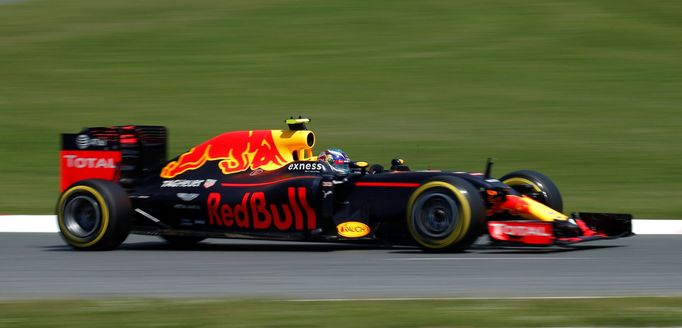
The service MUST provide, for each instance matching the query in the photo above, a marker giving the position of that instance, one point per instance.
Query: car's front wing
(580, 228)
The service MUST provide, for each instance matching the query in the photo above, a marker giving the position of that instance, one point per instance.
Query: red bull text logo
(254, 212)
(236, 151)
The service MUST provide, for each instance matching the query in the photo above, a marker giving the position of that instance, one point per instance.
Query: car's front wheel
(445, 214)
(537, 186)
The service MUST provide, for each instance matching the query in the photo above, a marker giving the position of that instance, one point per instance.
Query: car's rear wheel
(445, 214)
(537, 186)
(94, 215)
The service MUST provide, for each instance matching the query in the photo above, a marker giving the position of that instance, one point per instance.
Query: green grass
(586, 91)
(627, 312)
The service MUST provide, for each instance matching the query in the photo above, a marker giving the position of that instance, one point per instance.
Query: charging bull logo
(235, 151)
(254, 212)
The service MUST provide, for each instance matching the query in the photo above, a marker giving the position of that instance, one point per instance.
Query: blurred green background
(585, 91)
(182, 312)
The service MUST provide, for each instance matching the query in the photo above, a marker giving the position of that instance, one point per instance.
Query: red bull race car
(268, 184)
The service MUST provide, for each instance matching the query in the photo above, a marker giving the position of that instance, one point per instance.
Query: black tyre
(537, 186)
(445, 214)
(94, 214)
(375, 168)
(182, 241)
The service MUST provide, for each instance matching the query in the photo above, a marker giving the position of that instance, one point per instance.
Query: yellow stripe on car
(521, 181)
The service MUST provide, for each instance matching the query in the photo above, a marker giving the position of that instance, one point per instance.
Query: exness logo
(305, 167)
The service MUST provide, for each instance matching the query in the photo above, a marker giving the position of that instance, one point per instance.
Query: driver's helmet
(338, 159)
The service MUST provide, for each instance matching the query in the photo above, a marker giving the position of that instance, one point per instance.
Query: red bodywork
(524, 232)
(78, 165)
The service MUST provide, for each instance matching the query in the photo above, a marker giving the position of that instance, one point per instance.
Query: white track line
(657, 227)
(28, 223)
(487, 258)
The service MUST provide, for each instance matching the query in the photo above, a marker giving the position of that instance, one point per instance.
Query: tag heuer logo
(209, 183)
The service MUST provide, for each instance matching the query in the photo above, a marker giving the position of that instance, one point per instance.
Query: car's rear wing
(120, 153)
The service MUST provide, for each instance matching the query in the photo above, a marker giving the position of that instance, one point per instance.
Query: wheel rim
(82, 216)
(436, 215)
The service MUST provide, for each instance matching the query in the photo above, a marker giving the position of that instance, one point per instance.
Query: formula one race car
(267, 184)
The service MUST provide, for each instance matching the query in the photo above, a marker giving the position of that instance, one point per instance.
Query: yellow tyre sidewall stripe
(521, 181)
(77, 241)
(464, 213)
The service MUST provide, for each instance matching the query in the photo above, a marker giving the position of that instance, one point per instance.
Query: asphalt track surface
(41, 266)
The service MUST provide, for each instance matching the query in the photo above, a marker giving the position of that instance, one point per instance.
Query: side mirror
(398, 164)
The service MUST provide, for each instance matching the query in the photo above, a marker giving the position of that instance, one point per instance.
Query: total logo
(521, 231)
(255, 212)
(73, 161)
(305, 167)
(83, 141)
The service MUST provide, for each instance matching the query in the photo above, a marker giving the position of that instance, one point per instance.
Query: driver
(337, 159)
